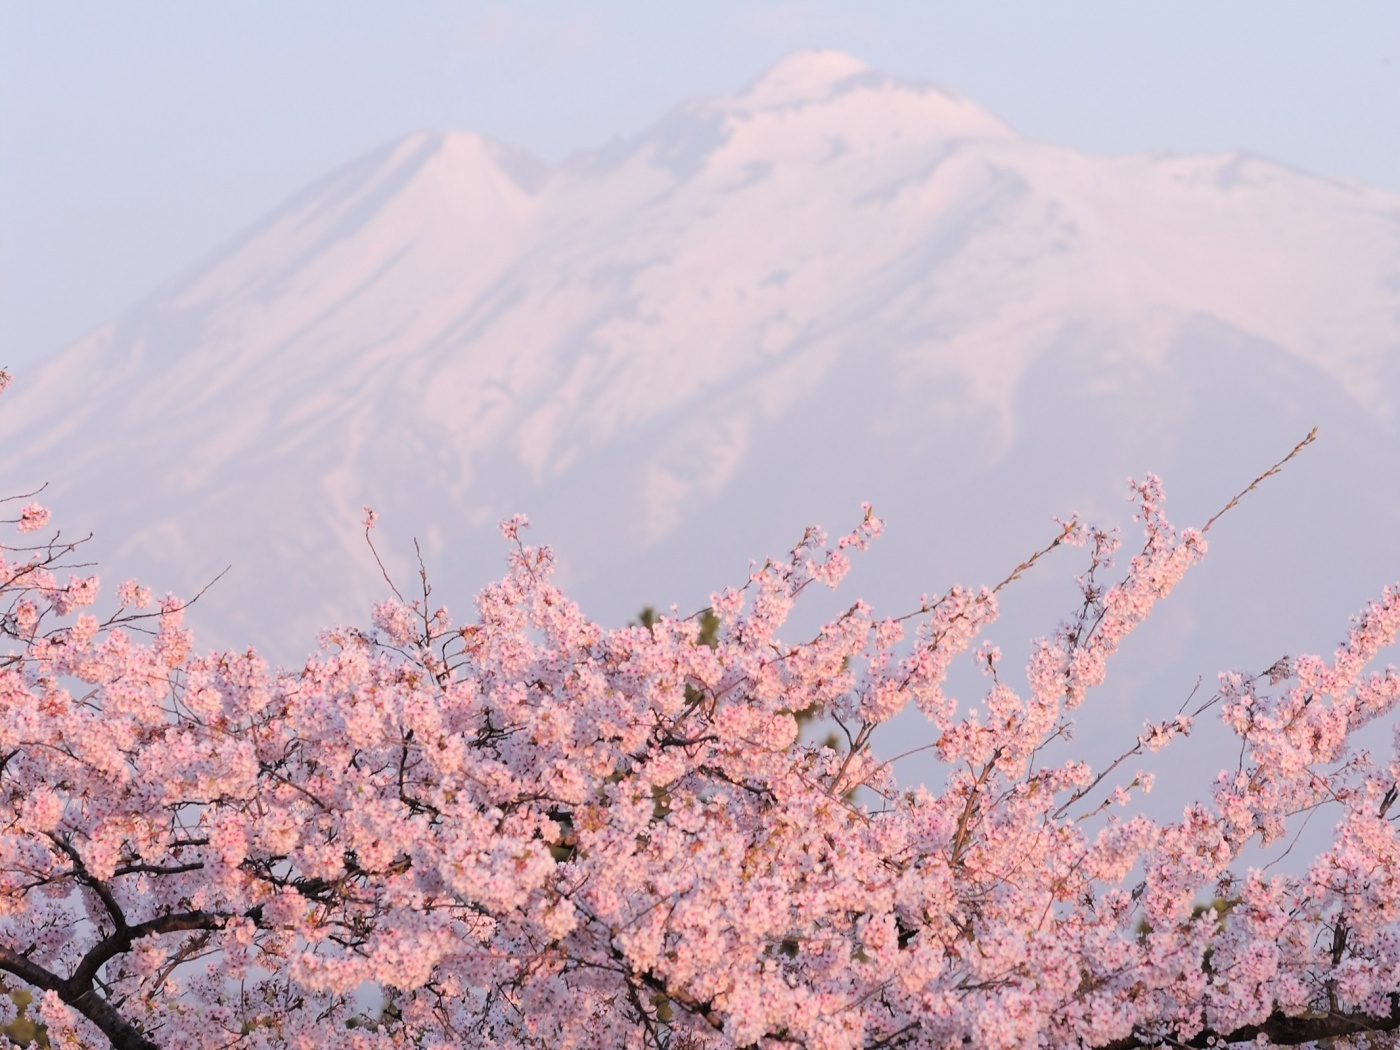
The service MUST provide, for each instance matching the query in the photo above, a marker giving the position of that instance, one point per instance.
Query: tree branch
(1279, 1028)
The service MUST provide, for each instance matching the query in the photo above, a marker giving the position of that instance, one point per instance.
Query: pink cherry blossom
(32, 517)
(530, 830)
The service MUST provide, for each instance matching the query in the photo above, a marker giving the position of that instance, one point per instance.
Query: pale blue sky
(134, 137)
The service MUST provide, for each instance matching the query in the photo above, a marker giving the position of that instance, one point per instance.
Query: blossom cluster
(529, 830)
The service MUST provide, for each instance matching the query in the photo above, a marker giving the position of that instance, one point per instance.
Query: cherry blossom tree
(529, 830)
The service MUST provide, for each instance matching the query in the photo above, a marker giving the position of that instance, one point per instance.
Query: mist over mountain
(675, 351)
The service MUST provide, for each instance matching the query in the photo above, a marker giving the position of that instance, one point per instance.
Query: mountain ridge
(677, 350)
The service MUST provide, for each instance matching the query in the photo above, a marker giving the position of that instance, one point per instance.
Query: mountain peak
(805, 74)
(456, 330)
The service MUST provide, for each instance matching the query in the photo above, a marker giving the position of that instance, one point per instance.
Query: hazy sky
(135, 137)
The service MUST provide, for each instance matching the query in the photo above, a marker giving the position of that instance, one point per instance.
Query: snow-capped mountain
(677, 350)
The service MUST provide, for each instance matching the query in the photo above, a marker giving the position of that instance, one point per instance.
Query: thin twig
(1312, 436)
(382, 571)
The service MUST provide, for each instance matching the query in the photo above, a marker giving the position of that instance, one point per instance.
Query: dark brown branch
(29, 972)
(1278, 1028)
(121, 1033)
(141, 867)
(97, 885)
(78, 989)
(1388, 800)
(121, 940)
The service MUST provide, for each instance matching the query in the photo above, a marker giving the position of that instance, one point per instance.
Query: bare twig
(1312, 436)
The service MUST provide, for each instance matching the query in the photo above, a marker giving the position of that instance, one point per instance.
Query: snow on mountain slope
(678, 349)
